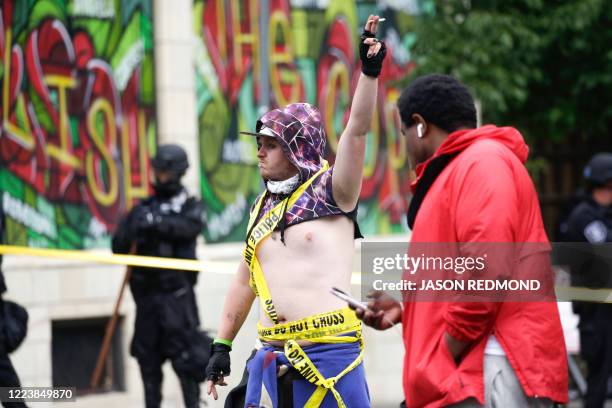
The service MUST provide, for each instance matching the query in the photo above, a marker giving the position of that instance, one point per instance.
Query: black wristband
(371, 66)
(219, 348)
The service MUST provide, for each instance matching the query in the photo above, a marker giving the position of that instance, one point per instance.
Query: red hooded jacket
(484, 194)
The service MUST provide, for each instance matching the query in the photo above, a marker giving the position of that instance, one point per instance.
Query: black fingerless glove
(219, 363)
(371, 66)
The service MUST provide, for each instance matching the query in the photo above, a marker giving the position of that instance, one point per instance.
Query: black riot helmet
(170, 158)
(598, 171)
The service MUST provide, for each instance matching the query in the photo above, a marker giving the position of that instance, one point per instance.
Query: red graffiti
(67, 130)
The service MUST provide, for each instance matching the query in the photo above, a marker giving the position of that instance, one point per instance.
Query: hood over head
(299, 130)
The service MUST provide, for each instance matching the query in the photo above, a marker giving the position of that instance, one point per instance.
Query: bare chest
(311, 240)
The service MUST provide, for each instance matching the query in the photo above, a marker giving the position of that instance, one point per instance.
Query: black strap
(431, 172)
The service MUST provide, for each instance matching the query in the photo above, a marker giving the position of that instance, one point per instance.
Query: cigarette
(380, 20)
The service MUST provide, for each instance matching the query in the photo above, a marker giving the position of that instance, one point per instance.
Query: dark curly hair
(441, 100)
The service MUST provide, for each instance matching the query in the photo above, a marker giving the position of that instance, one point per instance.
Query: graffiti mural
(248, 59)
(77, 110)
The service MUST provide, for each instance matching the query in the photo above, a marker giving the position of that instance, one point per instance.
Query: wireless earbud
(420, 130)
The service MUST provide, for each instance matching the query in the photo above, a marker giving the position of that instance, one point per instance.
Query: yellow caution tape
(584, 294)
(563, 292)
(257, 233)
(327, 328)
(222, 267)
(319, 328)
(116, 259)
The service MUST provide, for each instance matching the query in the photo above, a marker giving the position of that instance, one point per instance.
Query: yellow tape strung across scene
(565, 293)
(219, 267)
(116, 259)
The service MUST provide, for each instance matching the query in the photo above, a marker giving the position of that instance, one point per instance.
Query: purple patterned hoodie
(299, 130)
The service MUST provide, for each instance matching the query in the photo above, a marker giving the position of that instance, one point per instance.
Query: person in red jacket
(472, 188)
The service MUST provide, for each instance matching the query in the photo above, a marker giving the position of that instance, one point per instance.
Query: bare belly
(318, 255)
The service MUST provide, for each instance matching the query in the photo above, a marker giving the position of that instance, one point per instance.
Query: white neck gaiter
(283, 186)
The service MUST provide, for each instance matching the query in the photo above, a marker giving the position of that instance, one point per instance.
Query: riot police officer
(167, 225)
(590, 222)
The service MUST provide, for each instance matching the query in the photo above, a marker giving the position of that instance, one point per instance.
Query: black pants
(163, 322)
(9, 378)
(596, 349)
(152, 377)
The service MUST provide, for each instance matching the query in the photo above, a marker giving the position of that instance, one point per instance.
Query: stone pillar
(175, 81)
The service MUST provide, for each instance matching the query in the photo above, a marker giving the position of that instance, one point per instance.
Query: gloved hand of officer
(218, 367)
(144, 220)
(371, 51)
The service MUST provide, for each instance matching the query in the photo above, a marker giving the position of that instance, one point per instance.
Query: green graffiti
(80, 105)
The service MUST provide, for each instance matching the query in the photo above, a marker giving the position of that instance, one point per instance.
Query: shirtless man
(292, 264)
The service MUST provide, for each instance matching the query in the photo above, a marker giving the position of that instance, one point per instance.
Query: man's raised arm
(348, 168)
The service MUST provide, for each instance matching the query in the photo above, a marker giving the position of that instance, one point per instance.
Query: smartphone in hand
(348, 298)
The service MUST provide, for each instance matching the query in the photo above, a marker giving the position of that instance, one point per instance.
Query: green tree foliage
(542, 65)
